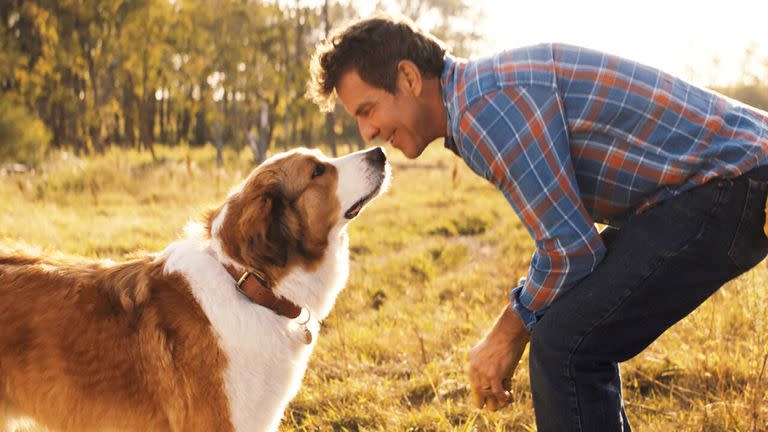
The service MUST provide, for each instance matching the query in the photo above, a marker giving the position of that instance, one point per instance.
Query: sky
(679, 36)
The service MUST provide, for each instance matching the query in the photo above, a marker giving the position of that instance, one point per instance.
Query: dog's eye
(319, 170)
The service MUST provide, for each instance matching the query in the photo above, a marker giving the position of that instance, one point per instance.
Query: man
(572, 137)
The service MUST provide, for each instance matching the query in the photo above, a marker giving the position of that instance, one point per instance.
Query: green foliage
(23, 137)
(134, 72)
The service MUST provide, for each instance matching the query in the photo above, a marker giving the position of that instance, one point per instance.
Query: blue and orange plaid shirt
(573, 137)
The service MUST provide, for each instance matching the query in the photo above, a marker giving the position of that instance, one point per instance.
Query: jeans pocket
(750, 245)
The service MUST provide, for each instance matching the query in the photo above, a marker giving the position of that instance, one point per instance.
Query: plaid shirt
(573, 136)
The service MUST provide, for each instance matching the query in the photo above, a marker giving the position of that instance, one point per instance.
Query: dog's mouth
(357, 207)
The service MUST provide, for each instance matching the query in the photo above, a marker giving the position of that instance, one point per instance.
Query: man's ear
(409, 77)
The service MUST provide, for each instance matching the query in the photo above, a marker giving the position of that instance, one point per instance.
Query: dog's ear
(265, 227)
(208, 218)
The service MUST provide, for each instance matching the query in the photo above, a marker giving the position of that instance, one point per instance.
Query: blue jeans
(660, 266)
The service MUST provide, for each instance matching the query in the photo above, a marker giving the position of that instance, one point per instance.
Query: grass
(432, 262)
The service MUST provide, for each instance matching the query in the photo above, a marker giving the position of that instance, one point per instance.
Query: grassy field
(432, 262)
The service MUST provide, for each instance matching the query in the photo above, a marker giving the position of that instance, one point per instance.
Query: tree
(130, 72)
(23, 137)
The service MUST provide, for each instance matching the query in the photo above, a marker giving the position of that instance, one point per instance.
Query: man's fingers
(501, 395)
(493, 397)
(478, 400)
(507, 384)
(492, 404)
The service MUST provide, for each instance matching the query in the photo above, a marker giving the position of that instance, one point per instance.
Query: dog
(214, 333)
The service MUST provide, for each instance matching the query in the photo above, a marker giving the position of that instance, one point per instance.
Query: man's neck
(437, 112)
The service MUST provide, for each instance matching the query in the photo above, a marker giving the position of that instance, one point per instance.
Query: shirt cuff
(529, 318)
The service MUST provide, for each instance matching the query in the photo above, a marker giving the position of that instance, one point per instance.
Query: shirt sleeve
(517, 139)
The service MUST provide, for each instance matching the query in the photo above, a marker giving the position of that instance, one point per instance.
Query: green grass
(432, 262)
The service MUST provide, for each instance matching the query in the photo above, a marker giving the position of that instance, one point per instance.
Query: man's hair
(373, 47)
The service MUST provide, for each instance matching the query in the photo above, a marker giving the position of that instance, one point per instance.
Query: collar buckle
(258, 275)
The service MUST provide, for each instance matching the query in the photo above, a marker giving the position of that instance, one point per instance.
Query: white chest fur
(266, 354)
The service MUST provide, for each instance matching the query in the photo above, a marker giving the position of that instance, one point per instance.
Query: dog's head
(287, 210)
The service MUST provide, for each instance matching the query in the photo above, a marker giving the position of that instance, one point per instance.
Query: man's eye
(319, 170)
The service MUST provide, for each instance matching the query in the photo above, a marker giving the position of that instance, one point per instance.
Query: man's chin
(412, 152)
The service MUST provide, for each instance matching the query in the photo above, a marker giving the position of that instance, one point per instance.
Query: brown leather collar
(254, 286)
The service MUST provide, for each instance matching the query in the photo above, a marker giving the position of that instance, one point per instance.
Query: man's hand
(493, 361)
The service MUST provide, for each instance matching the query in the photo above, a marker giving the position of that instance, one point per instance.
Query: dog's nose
(376, 157)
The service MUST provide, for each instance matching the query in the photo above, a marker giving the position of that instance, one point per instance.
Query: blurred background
(87, 75)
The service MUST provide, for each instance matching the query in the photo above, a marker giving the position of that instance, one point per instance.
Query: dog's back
(85, 346)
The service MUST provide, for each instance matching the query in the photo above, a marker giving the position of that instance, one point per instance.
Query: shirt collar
(447, 91)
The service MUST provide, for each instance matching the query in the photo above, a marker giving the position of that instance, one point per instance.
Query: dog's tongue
(356, 210)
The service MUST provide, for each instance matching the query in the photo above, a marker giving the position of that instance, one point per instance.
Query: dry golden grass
(432, 262)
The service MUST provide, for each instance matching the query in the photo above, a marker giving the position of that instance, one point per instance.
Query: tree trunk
(59, 125)
(259, 142)
(94, 121)
(147, 124)
(168, 117)
(330, 135)
(307, 135)
(201, 130)
(129, 112)
(182, 133)
(219, 144)
(161, 117)
(185, 118)
(116, 138)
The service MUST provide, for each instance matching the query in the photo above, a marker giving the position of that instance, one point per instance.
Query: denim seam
(744, 209)
(753, 187)
(717, 202)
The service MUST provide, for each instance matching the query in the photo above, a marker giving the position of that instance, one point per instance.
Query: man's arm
(517, 139)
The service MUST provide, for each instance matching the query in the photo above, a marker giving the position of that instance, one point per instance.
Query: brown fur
(84, 347)
(281, 218)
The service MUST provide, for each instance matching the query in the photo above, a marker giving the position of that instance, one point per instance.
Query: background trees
(89, 74)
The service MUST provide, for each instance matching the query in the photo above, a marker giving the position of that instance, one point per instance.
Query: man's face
(399, 118)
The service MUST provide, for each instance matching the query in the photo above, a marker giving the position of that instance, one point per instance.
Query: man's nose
(367, 131)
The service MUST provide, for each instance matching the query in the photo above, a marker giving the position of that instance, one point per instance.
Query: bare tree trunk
(271, 119)
(309, 127)
(218, 139)
(129, 111)
(147, 110)
(259, 142)
(94, 123)
(169, 119)
(330, 135)
(147, 124)
(161, 117)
